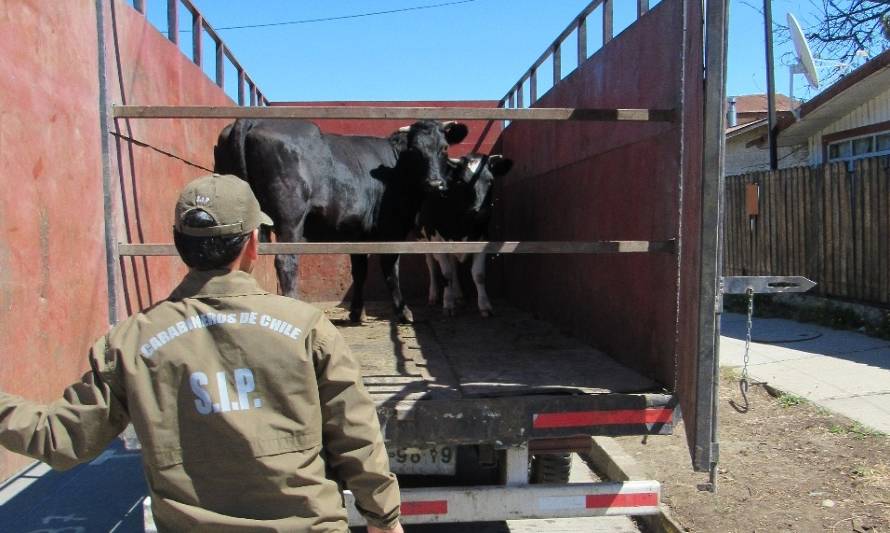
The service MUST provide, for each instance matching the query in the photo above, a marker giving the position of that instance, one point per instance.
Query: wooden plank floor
(466, 356)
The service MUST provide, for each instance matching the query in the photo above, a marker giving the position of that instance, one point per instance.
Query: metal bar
(511, 101)
(197, 35)
(704, 455)
(498, 503)
(111, 256)
(173, 21)
(384, 113)
(139, 5)
(608, 18)
(252, 87)
(412, 247)
(516, 471)
(557, 63)
(520, 97)
(533, 87)
(582, 41)
(565, 33)
(642, 7)
(220, 64)
(765, 284)
(240, 87)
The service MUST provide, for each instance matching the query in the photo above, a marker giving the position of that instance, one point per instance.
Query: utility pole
(770, 85)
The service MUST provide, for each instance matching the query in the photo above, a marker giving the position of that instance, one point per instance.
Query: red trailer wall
(53, 288)
(327, 277)
(615, 181)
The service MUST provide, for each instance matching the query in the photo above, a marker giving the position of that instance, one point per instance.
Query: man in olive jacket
(249, 406)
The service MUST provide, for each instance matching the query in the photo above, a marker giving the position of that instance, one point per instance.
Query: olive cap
(226, 198)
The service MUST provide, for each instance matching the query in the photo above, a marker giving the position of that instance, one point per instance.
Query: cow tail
(229, 154)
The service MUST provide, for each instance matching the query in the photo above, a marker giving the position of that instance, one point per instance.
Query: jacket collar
(214, 283)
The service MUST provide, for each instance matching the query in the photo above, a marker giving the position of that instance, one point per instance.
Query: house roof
(838, 100)
(756, 103)
(741, 129)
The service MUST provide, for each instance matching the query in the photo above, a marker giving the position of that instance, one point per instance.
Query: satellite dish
(805, 64)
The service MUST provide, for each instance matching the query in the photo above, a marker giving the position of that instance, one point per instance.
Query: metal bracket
(765, 284)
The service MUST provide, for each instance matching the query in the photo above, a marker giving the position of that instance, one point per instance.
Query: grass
(855, 430)
(790, 400)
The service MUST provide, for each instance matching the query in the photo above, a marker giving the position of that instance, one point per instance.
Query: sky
(454, 50)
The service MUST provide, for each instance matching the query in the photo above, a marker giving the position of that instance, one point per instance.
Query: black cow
(322, 187)
(461, 212)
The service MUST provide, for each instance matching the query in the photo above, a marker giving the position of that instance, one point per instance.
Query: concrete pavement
(845, 372)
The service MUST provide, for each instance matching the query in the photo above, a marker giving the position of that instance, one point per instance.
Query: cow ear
(455, 132)
(499, 165)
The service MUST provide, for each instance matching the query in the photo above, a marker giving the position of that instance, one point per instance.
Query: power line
(344, 17)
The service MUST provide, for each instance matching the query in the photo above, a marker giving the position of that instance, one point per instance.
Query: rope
(158, 150)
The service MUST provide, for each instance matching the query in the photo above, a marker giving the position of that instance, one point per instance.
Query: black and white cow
(461, 212)
(323, 187)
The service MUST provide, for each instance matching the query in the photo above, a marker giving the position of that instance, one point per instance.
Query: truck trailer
(604, 255)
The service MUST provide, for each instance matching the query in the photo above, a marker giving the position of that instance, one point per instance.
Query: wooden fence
(827, 223)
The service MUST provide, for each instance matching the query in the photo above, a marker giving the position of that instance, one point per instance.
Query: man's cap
(226, 198)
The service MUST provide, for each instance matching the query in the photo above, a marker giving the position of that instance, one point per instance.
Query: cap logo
(202, 200)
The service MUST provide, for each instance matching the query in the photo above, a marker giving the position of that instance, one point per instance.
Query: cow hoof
(486, 313)
(357, 316)
(449, 312)
(406, 316)
(433, 302)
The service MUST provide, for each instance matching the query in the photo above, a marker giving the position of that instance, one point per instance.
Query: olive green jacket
(249, 406)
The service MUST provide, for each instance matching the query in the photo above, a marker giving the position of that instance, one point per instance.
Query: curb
(607, 458)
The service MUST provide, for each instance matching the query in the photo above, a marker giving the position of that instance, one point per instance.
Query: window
(859, 147)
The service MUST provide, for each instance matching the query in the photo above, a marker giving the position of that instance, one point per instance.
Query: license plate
(434, 460)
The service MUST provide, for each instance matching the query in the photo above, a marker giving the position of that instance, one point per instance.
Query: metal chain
(743, 380)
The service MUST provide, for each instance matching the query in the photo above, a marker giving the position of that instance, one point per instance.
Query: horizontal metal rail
(384, 113)
(420, 247)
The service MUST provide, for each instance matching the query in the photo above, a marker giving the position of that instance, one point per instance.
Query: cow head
(472, 178)
(426, 150)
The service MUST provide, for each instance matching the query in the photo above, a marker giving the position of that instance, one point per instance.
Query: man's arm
(71, 430)
(353, 442)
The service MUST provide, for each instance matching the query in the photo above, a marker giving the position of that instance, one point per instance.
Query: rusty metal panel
(151, 161)
(618, 181)
(52, 282)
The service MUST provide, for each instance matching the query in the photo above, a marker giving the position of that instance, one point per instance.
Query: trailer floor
(510, 354)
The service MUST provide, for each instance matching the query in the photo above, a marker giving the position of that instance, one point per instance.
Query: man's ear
(455, 132)
(499, 165)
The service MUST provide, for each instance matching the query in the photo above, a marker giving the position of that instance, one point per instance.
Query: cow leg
(389, 264)
(450, 275)
(456, 288)
(433, 297)
(485, 308)
(359, 275)
(287, 266)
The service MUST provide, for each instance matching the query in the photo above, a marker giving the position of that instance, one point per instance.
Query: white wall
(872, 112)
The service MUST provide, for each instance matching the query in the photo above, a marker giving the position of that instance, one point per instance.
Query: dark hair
(206, 253)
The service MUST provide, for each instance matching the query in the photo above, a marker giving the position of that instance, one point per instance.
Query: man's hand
(396, 529)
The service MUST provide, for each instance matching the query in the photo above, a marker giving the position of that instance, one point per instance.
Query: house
(747, 147)
(847, 121)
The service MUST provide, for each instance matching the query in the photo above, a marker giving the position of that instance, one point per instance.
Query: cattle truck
(604, 252)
